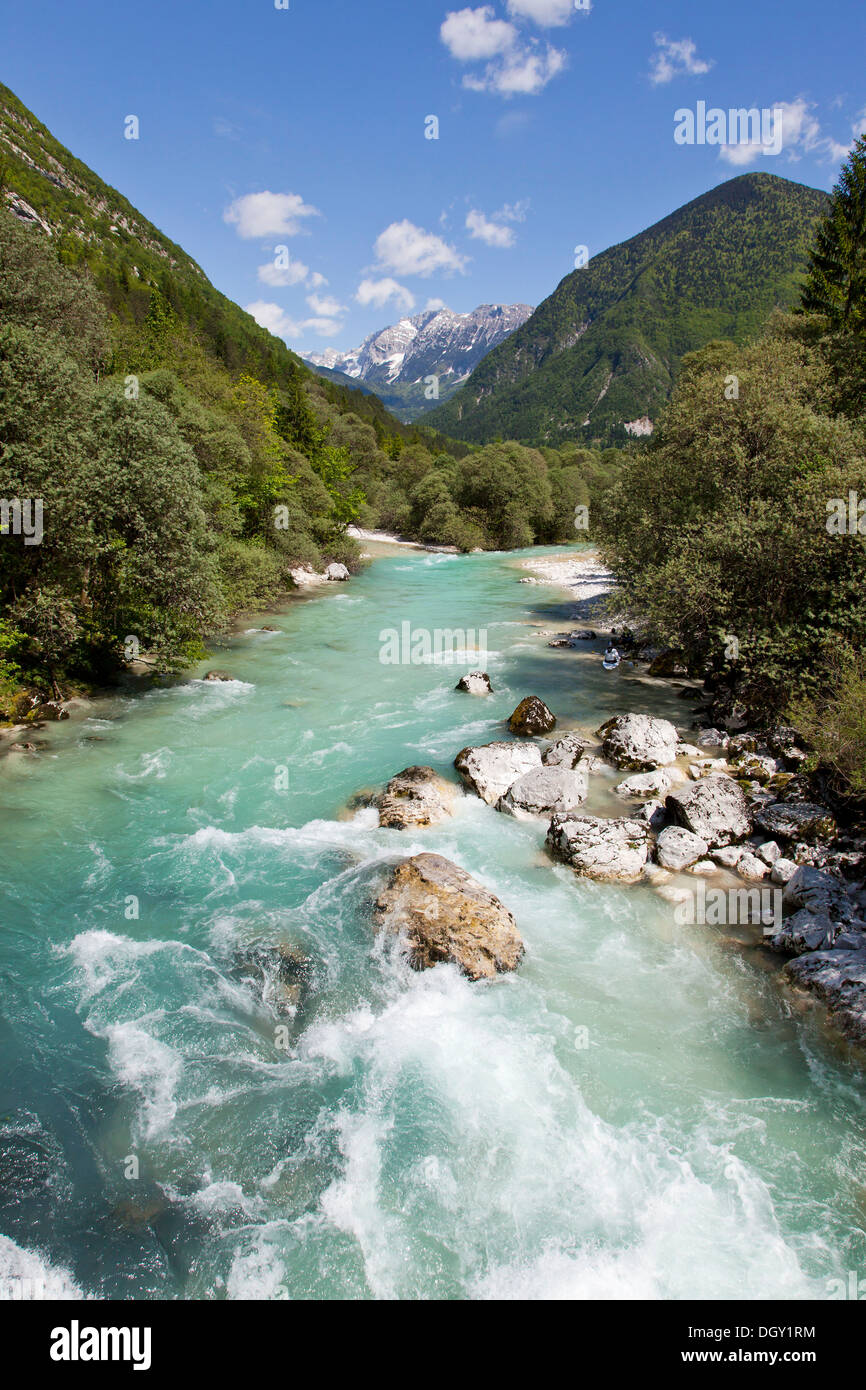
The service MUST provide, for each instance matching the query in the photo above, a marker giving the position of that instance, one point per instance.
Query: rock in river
(638, 742)
(416, 796)
(475, 683)
(545, 790)
(679, 849)
(601, 849)
(492, 768)
(532, 717)
(443, 914)
(566, 751)
(714, 808)
(838, 978)
(793, 820)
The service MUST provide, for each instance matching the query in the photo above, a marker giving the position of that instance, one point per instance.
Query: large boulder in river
(600, 849)
(715, 808)
(545, 790)
(566, 751)
(337, 572)
(797, 820)
(639, 742)
(416, 796)
(475, 683)
(443, 914)
(678, 848)
(493, 767)
(532, 717)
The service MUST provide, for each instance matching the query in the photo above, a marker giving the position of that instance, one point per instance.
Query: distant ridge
(597, 360)
(396, 361)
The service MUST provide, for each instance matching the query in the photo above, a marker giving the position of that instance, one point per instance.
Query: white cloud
(494, 231)
(316, 281)
(327, 307)
(473, 34)
(409, 250)
(382, 292)
(800, 135)
(491, 233)
(435, 304)
(269, 214)
(524, 71)
(516, 67)
(276, 321)
(295, 273)
(546, 13)
(676, 58)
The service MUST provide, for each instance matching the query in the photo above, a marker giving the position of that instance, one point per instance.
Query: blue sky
(556, 129)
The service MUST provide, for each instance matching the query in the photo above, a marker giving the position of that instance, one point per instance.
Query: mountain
(597, 360)
(94, 226)
(397, 361)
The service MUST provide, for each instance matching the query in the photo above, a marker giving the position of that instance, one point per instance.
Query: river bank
(752, 817)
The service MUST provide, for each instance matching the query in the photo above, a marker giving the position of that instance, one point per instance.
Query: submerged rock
(443, 914)
(493, 767)
(838, 978)
(600, 849)
(416, 796)
(639, 742)
(282, 975)
(475, 683)
(545, 790)
(532, 717)
(714, 808)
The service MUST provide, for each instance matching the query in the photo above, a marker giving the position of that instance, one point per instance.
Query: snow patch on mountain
(438, 342)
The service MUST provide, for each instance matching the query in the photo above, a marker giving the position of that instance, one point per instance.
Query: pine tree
(836, 283)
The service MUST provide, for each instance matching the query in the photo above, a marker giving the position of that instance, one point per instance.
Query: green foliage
(720, 530)
(836, 280)
(834, 723)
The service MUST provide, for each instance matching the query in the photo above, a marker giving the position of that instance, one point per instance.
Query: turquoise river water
(639, 1111)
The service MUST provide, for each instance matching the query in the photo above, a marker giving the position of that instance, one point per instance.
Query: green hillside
(605, 348)
(94, 226)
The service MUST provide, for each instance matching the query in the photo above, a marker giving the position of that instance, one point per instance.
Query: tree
(836, 280)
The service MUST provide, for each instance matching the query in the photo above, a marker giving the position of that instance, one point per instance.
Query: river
(639, 1111)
